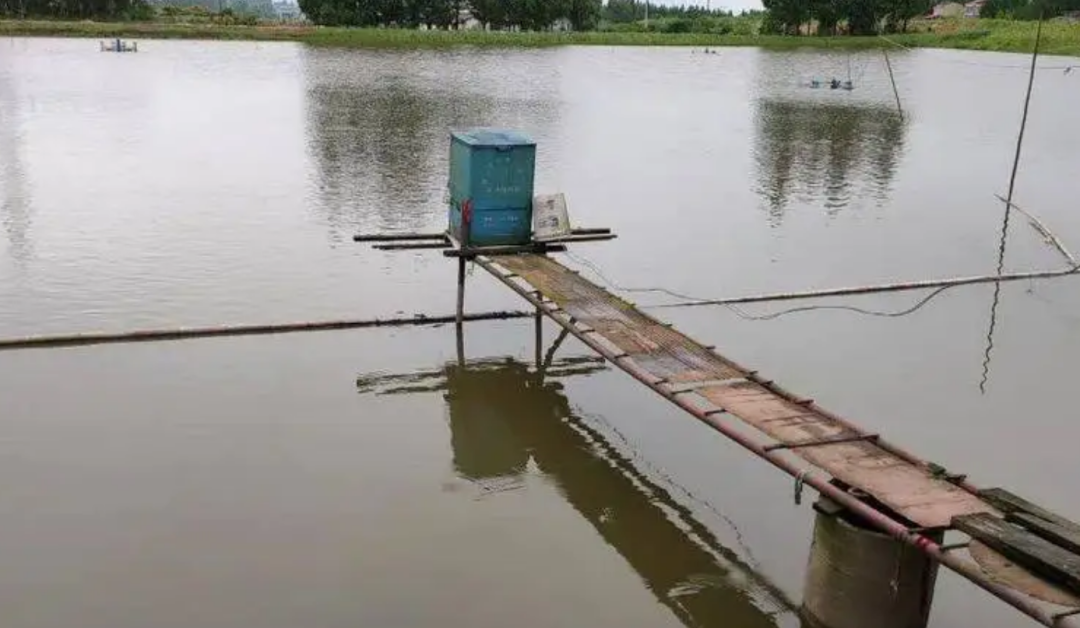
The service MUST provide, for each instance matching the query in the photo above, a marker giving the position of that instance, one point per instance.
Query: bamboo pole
(180, 333)
(874, 289)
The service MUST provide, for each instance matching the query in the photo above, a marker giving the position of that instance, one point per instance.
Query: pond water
(368, 477)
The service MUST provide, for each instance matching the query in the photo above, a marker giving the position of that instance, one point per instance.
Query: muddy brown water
(369, 477)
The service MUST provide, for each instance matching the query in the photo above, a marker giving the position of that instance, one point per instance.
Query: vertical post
(459, 330)
(857, 576)
(892, 80)
(539, 339)
(646, 14)
(460, 290)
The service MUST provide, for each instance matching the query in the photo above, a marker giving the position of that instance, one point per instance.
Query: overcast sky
(734, 5)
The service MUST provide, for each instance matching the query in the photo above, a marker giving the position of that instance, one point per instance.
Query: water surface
(369, 477)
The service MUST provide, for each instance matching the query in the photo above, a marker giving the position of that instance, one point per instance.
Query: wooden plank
(1006, 572)
(1010, 503)
(1026, 549)
(1064, 537)
(908, 489)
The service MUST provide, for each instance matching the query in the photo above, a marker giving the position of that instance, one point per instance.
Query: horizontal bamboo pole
(180, 333)
(873, 289)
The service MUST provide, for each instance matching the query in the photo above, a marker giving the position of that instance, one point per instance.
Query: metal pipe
(892, 79)
(460, 290)
(880, 521)
(1044, 231)
(397, 237)
(412, 246)
(147, 335)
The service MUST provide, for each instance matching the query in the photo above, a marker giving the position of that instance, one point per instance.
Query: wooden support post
(858, 577)
(459, 330)
(539, 339)
(460, 289)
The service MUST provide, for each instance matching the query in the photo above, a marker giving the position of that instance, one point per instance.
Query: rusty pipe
(880, 521)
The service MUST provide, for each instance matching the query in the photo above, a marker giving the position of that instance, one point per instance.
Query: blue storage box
(491, 183)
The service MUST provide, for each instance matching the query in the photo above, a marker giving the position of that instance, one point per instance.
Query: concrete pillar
(858, 577)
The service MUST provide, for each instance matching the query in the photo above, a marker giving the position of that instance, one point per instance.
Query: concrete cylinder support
(858, 577)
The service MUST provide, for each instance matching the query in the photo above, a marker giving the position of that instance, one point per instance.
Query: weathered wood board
(1032, 552)
(909, 489)
(1010, 503)
(1004, 571)
(1064, 537)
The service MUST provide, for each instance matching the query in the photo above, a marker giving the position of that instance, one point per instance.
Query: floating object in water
(119, 45)
(834, 83)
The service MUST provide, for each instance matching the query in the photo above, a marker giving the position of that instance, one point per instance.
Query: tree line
(1028, 9)
(623, 11)
(76, 9)
(866, 17)
(497, 14)
(859, 17)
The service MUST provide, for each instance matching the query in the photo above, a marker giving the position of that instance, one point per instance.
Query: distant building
(946, 9)
(287, 11)
(974, 8)
(466, 20)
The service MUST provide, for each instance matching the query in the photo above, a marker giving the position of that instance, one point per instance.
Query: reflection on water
(824, 152)
(378, 128)
(504, 416)
(14, 205)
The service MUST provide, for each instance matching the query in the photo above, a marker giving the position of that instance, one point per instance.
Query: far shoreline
(986, 35)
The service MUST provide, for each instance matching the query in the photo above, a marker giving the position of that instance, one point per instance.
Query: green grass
(1000, 35)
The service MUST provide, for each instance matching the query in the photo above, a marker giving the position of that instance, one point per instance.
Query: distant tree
(584, 15)
(786, 16)
(827, 13)
(899, 12)
(491, 13)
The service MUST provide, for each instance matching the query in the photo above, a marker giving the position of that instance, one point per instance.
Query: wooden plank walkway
(911, 490)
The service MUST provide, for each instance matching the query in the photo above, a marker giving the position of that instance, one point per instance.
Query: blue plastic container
(491, 187)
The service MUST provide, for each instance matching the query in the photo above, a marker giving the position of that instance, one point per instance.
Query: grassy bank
(998, 35)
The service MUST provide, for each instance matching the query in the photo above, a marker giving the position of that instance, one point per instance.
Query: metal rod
(550, 356)
(823, 441)
(948, 547)
(537, 248)
(410, 246)
(460, 289)
(872, 289)
(1019, 143)
(892, 79)
(181, 333)
(1043, 230)
(459, 337)
(600, 237)
(897, 530)
(397, 237)
(539, 338)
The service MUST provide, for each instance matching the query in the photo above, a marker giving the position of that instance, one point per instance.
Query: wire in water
(1007, 66)
(752, 317)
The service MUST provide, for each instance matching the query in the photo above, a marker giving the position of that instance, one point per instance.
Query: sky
(734, 5)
